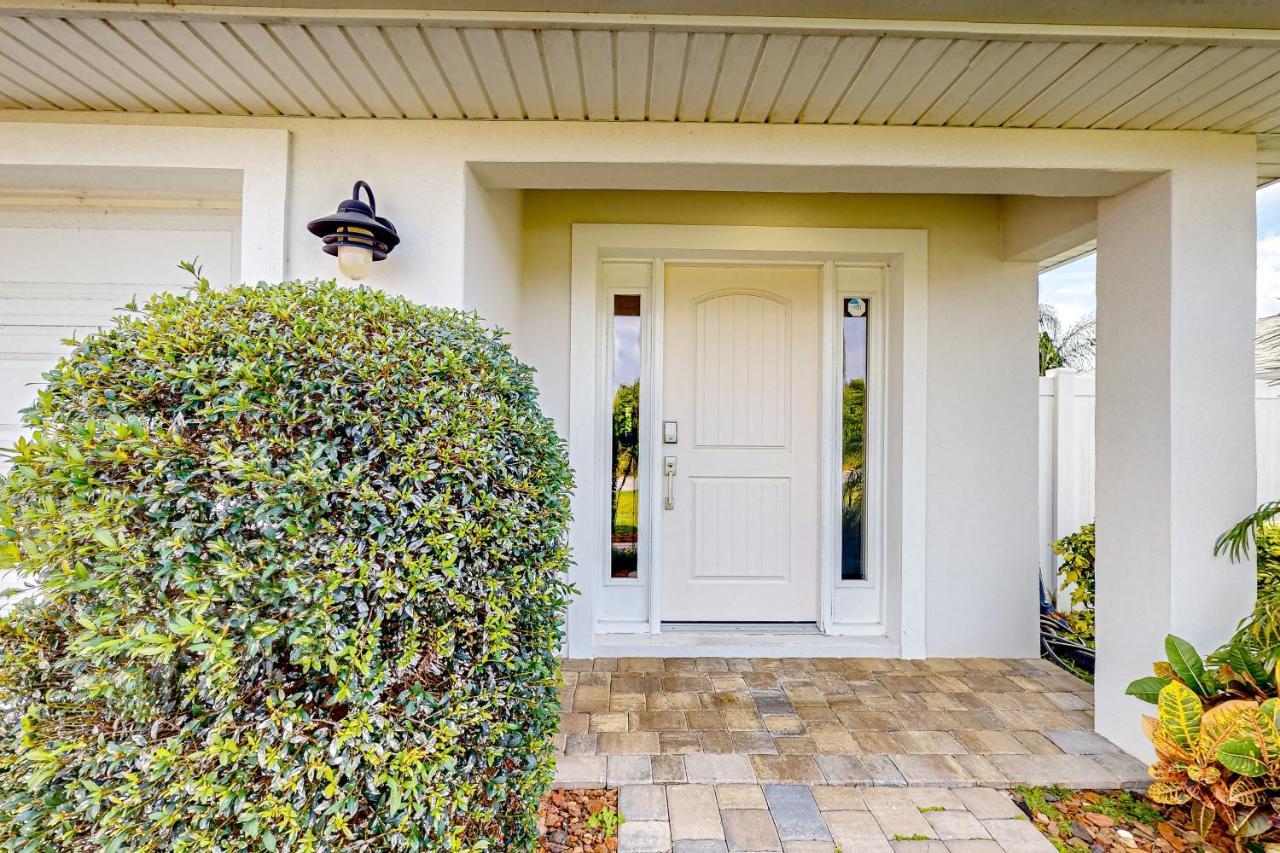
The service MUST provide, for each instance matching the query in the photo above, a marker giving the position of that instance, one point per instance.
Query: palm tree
(1073, 347)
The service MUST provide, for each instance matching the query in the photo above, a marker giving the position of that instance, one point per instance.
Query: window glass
(625, 483)
(853, 413)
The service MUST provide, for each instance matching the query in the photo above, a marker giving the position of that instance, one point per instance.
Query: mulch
(1078, 825)
(563, 820)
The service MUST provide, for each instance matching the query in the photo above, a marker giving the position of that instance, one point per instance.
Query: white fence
(1066, 456)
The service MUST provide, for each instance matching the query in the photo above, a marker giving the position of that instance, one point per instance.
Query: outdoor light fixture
(356, 234)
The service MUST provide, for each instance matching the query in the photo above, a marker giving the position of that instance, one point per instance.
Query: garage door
(66, 272)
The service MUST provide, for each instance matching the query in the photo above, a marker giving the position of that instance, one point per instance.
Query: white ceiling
(329, 64)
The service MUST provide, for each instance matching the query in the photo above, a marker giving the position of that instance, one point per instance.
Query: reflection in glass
(625, 484)
(854, 433)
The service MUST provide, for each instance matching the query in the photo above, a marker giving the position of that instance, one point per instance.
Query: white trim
(904, 254)
(261, 156)
(874, 583)
(829, 451)
(742, 645)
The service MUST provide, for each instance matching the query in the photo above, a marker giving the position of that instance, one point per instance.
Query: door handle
(668, 482)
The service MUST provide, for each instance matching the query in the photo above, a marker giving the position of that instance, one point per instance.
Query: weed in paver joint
(924, 809)
(916, 837)
(607, 821)
(1038, 800)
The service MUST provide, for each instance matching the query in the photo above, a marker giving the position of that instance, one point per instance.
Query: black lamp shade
(356, 224)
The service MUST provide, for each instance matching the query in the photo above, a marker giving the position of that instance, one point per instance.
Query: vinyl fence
(1066, 456)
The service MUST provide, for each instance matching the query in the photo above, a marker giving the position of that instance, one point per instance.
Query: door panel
(742, 373)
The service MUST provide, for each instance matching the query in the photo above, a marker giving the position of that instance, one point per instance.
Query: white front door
(741, 381)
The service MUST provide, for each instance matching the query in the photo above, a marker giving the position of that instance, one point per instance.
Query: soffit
(451, 65)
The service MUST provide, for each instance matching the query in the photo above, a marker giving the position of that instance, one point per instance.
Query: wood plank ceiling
(338, 67)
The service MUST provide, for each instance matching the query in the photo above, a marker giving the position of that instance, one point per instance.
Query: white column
(1175, 422)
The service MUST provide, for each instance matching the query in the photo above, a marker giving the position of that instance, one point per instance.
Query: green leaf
(1187, 664)
(105, 538)
(1180, 714)
(1241, 755)
(1243, 661)
(1147, 689)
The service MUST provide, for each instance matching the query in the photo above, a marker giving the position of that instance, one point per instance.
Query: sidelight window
(853, 413)
(625, 416)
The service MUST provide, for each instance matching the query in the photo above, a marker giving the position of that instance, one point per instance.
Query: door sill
(741, 644)
(740, 628)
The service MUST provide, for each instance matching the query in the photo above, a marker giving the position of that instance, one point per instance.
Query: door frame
(902, 253)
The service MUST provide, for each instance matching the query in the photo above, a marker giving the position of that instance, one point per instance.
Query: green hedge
(299, 554)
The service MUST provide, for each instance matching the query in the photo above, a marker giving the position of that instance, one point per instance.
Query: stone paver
(795, 813)
(809, 756)
(695, 813)
(628, 770)
(643, 802)
(718, 768)
(751, 831)
(740, 818)
(635, 836)
(741, 797)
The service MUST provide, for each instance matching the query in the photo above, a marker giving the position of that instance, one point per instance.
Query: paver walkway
(801, 755)
(804, 819)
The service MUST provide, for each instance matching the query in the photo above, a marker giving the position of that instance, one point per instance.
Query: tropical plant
(1262, 626)
(296, 553)
(1077, 573)
(1072, 346)
(1216, 738)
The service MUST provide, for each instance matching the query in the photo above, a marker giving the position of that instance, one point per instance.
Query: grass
(916, 837)
(1082, 674)
(924, 809)
(627, 518)
(1123, 807)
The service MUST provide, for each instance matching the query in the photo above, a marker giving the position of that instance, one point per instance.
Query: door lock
(668, 482)
(670, 432)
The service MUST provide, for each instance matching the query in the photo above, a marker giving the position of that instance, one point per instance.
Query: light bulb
(355, 261)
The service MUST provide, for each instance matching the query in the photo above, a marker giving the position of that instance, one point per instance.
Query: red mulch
(1078, 825)
(563, 818)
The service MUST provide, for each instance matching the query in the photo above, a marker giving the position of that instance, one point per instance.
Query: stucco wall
(981, 467)
(462, 246)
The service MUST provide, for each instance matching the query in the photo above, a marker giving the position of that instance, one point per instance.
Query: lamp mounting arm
(368, 191)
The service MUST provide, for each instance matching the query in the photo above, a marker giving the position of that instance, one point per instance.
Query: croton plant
(1217, 739)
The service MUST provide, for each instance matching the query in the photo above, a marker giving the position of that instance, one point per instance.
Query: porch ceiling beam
(796, 25)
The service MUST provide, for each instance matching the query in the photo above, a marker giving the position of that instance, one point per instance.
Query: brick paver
(720, 755)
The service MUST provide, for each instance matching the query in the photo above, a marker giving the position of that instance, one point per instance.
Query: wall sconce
(356, 234)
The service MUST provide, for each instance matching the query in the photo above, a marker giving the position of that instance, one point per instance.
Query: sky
(1070, 287)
